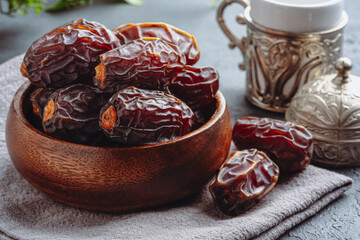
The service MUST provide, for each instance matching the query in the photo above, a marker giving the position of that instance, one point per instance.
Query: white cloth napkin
(26, 213)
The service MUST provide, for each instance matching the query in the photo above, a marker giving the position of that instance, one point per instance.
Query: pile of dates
(266, 148)
(134, 85)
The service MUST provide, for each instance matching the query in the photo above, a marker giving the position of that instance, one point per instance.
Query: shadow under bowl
(117, 179)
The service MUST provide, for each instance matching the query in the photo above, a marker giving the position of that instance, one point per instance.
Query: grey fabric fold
(26, 213)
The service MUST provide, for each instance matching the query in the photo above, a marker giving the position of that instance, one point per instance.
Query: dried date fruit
(72, 114)
(197, 87)
(39, 98)
(244, 179)
(148, 63)
(67, 54)
(136, 116)
(289, 145)
(185, 41)
(199, 120)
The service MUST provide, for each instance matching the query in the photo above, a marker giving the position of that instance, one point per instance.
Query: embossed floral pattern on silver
(277, 66)
(329, 107)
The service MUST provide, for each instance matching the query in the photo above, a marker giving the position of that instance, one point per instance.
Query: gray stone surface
(341, 219)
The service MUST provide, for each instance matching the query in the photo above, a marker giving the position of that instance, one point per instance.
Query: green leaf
(134, 2)
(59, 6)
(38, 9)
(63, 5)
(22, 6)
(214, 3)
(21, 11)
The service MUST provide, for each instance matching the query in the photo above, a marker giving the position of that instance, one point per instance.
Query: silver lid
(329, 107)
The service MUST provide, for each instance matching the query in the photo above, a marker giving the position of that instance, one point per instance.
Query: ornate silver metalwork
(279, 63)
(329, 107)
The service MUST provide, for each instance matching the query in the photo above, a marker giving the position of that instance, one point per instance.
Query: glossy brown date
(67, 54)
(289, 145)
(72, 114)
(136, 116)
(149, 63)
(185, 41)
(39, 98)
(244, 179)
(197, 87)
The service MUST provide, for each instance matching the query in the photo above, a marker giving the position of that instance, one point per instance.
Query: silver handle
(234, 41)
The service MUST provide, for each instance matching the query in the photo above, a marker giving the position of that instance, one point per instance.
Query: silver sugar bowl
(329, 107)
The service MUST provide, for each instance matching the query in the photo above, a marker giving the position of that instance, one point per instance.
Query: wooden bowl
(119, 179)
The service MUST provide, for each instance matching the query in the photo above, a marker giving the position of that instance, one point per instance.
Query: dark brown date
(149, 63)
(185, 41)
(243, 179)
(67, 54)
(72, 114)
(289, 145)
(195, 86)
(39, 98)
(199, 120)
(136, 116)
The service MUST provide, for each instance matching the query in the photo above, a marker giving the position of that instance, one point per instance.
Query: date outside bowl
(117, 179)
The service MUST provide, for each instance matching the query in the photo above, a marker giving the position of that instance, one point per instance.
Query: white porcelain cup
(298, 16)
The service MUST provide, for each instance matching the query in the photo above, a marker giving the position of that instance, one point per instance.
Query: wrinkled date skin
(136, 116)
(67, 54)
(289, 145)
(244, 179)
(185, 41)
(72, 114)
(197, 87)
(148, 63)
(39, 98)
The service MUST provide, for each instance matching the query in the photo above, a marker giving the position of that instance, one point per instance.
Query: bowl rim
(20, 95)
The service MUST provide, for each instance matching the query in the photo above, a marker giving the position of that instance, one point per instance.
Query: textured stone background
(340, 220)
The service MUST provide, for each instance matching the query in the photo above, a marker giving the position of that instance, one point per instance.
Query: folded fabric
(26, 213)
